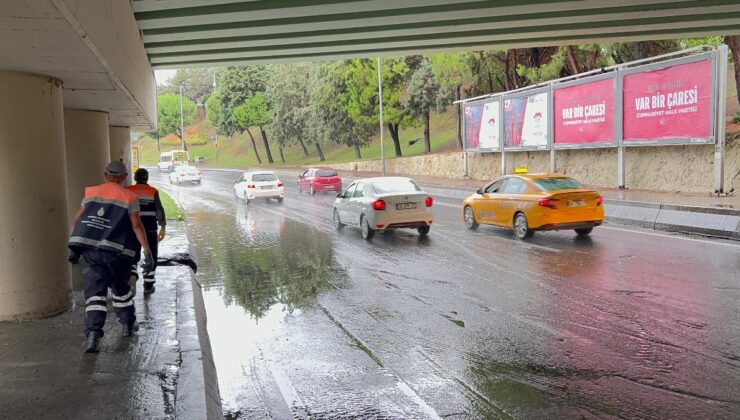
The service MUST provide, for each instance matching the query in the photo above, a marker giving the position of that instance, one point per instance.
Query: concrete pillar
(87, 140)
(34, 273)
(120, 148)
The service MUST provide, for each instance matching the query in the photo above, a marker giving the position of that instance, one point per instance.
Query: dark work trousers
(101, 270)
(151, 238)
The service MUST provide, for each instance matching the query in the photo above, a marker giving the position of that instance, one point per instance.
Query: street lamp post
(182, 122)
(380, 96)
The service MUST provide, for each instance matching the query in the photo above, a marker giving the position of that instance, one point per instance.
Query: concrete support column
(87, 139)
(120, 148)
(34, 273)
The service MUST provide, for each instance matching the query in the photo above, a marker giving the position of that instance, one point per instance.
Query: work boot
(91, 346)
(129, 329)
(149, 288)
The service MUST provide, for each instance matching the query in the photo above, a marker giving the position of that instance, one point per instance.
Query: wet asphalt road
(308, 322)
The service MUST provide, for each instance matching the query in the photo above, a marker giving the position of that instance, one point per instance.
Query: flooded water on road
(307, 322)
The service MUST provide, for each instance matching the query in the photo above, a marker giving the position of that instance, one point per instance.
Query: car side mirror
(479, 191)
(339, 195)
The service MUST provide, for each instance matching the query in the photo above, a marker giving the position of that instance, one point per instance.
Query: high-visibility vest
(146, 193)
(105, 223)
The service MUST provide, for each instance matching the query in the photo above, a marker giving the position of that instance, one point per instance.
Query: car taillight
(251, 186)
(429, 201)
(378, 205)
(546, 202)
(599, 200)
(280, 184)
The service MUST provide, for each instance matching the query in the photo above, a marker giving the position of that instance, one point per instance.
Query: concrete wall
(666, 168)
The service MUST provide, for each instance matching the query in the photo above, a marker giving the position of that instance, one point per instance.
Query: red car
(319, 179)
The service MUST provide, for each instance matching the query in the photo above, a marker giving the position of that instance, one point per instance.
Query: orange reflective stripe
(143, 190)
(110, 191)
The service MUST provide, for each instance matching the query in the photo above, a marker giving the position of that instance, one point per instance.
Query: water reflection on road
(265, 269)
(311, 323)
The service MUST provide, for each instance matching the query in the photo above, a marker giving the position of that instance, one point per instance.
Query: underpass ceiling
(189, 33)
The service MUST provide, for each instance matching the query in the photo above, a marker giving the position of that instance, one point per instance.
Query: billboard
(482, 125)
(670, 104)
(526, 121)
(584, 114)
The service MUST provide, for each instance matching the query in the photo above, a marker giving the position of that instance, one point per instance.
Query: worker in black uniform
(104, 234)
(152, 213)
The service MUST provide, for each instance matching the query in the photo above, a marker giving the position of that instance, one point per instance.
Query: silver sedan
(384, 203)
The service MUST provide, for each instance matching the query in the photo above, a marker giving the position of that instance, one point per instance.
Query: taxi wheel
(423, 230)
(367, 231)
(469, 218)
(338, 225)
(280, 200)
(584, 231)
(521, 228)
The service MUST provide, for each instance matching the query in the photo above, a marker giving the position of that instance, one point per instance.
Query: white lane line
(426, 408)
(676, 236)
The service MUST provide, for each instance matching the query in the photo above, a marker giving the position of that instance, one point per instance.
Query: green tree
(197, 83)
(288, 90)
(424, 95)
(254, 112)
(452, 72)
(329, 99)
(168, 110)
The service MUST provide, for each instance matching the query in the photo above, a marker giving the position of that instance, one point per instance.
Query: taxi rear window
(552, 184)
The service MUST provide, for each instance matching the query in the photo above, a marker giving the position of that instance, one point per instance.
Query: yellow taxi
(531, 202)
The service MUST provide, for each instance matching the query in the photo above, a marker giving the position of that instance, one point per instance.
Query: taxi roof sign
(520, 171)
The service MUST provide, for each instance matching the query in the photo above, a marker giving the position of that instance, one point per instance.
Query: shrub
(196, 139)
(736, 118)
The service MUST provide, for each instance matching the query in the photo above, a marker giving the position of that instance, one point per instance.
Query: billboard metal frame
(496, 148)
(718, 57)
(525, 94)
(616, 113)
(712, 56)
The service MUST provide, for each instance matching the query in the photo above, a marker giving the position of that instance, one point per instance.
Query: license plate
(405, 206)
(267, 187)
(576, 203)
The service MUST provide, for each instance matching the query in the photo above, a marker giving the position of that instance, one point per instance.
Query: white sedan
(185, 173)
(259, 184)
(384, 203)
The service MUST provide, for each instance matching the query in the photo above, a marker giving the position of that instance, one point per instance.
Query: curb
(708, 221)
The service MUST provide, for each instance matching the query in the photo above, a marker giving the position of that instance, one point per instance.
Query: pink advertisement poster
(584, 113)
(671, 103)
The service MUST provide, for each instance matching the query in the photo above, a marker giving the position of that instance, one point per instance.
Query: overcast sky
(163, 76)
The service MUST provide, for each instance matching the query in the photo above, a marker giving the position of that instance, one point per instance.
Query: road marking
(426, 408)
(677, 236)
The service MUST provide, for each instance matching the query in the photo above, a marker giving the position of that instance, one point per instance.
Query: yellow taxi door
(487, 208)
(509, 200)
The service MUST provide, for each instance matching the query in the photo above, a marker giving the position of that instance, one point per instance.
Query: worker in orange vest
(152, 214)
(105, 233)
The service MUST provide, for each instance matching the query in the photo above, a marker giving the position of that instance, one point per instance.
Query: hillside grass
(236, 152)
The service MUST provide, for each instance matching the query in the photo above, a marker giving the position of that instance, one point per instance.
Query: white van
(168, 160)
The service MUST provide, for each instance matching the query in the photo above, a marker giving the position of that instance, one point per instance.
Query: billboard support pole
(619, 127)
(465, 140)
(380, 101)
(551, 128)
(501, 132)
(719, 144)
